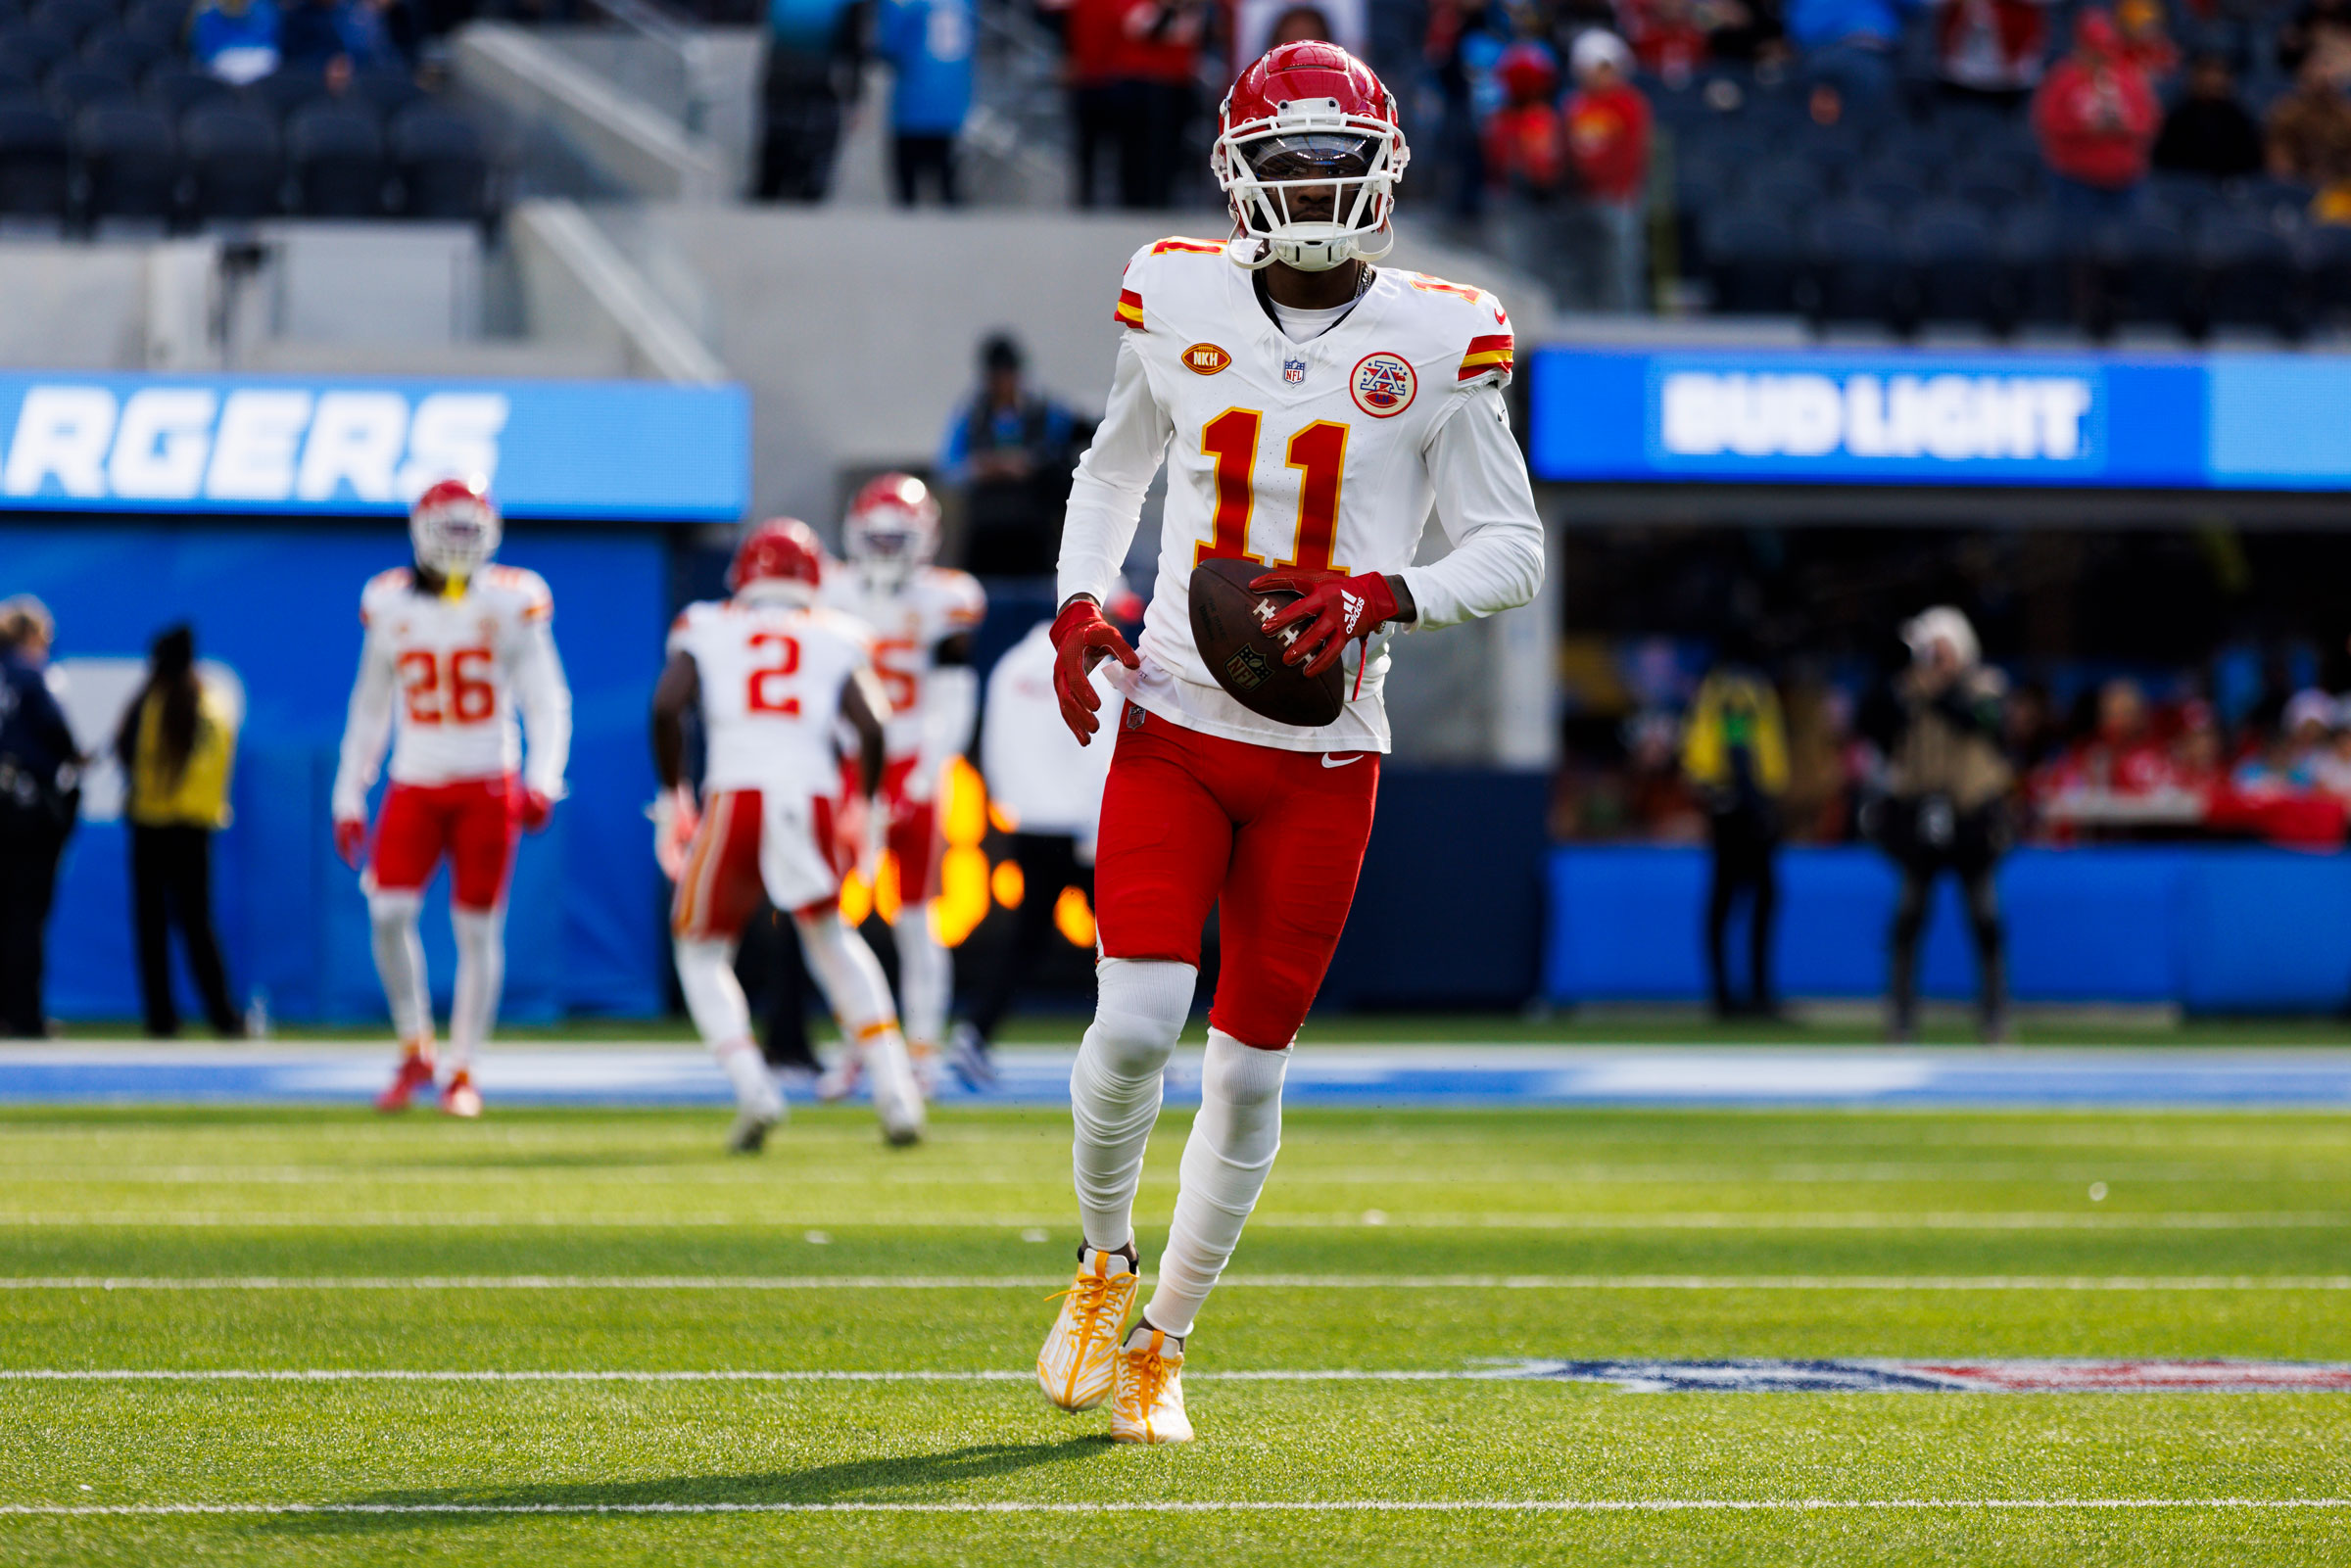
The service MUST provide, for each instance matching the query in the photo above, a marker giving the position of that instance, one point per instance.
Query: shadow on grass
(860, 1480)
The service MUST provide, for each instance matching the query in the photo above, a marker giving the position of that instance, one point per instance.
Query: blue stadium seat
(74, 18)
(236, 162)
(336, 154)
(33, 162)
(77, 84)
(2326, 265)
(1958, 271)
(129, 163)
(286, 92)
(1791, 185)
(163, 23)
(113, 49)
(32, 50)
(386, 89)
(17, 82)
(2039, 264)
(1991, 184)
(1889, 185)
(2143, 270)
(2247, 275)
(175, 86)
(1753, 260)
(1858, 267)
(443, 172)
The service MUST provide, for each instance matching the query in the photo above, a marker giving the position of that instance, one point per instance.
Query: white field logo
(1947, 418)
(261, 445)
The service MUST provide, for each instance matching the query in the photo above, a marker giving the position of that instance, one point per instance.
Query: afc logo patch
(1205, 358)
(1293, 371)
(1383, 385)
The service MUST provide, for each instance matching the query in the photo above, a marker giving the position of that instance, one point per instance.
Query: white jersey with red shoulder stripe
(909, 622)
(452, 674)
(771, 678)
(1327, 453)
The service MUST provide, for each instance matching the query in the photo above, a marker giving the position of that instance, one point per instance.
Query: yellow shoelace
(1152, 1372)
(1094, 1292)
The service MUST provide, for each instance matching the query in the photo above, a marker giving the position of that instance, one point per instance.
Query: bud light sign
(637, 450)
(1813, 417)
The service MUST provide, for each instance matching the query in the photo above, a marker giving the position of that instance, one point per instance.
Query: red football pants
(472, 821)
(1275, 839)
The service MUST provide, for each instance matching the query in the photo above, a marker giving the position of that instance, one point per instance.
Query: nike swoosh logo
(1341, 759)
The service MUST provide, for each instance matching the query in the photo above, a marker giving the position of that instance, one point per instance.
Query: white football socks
(723, 1018)
(1232, 1145)
(857, 991)
(399, 963)
(926, 976)
(1139, 1008)
(481, 979)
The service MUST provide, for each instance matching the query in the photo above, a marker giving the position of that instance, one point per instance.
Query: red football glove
(532, 809)
(1081, 639)
(351, 839)
(1341, 607)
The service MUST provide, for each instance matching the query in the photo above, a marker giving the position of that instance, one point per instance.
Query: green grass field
(573, 1242)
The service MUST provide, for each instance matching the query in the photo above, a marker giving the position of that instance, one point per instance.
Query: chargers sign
(1819, 416)
(257, 445)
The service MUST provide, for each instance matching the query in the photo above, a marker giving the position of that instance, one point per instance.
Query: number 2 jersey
(1328, 453)
(447, 677)
(771, 677)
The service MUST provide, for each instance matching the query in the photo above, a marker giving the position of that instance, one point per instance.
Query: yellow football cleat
(1147, 1396)
(1074, 1367)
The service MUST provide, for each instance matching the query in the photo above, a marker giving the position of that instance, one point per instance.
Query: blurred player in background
(1050, 786)
(770, 672)
(922, 617)
(1310, 409)
(454, 646)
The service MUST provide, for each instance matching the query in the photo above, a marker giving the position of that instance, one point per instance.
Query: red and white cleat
(460, 1098)
(416, 1073)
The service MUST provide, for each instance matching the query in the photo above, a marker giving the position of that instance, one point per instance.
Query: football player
(454, 646)
(923, 618)
(770, 671)
(1311, 408)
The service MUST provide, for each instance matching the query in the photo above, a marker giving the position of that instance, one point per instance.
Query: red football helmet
(454, 528)
(1308, 153)
(892, 527)
(778, 559)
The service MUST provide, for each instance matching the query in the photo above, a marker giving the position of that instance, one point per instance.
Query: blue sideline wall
(279, 603)
(2210, 928)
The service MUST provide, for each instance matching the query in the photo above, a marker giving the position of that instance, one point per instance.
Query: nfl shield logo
(1293, 371)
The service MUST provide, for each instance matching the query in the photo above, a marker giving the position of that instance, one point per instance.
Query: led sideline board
(263, 445)
(1818, 416)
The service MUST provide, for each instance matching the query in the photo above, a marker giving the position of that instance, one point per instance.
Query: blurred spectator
(1848, 46)
(2121, 755)
(1946, 806)
(1132, 66)
(1667, 37)
(177, 744)
(1608, 140)
(2309, 131)
(929, 46)
(2319, 26)
(1735, 752)
(1461, 49)
(1300, 25)
(2146, 40)
(1526, 160)
(811, 74)
(2096, 117)
(40, 794)
(2330, 763)
(2207, 133)
(236, 40)
(1012, 450)
(1992, 50)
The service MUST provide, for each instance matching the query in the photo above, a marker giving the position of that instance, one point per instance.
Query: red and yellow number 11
(1320, 454)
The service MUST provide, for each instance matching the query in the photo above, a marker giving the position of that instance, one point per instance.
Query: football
(1229, 625)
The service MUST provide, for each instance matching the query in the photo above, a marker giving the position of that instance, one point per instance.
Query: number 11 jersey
(771, 677)
(1327, 453)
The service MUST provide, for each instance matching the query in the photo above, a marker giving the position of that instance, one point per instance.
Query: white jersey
(1034, 767)
(447, 677)
(932, 606)
(771, 676)
(1328, 453)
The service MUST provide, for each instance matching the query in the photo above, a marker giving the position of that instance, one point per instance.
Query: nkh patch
(1872, 1376)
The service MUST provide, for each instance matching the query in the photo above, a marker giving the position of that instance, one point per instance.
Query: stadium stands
(103, 119)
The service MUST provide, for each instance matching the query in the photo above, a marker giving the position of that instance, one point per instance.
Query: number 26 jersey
(771, 677)
(1325, 454)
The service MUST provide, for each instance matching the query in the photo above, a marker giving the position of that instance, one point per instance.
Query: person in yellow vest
(1735, 752)
(176, 743)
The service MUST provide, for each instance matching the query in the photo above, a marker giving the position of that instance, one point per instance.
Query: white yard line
(950, 1282)
(1206, 1507)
